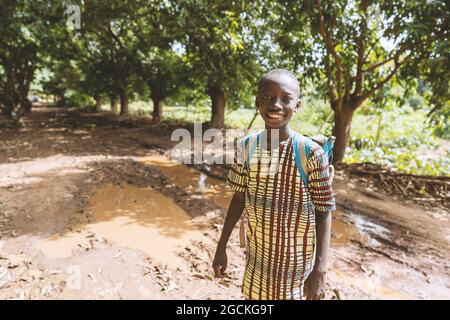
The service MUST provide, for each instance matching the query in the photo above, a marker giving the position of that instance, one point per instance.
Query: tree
(355, 48)
(164, 75)
(64, 76)
(105, 59)
(25, 27)
(155, 32)
(219, 44)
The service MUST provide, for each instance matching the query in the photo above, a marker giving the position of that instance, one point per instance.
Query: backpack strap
(249, 146)
(302, 149)
(327, 144)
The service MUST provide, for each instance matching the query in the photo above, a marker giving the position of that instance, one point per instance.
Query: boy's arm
(315, 284)
(232, 217)
(320, 181)
(323, 236)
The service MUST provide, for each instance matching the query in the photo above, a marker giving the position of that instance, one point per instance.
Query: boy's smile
(278, 100)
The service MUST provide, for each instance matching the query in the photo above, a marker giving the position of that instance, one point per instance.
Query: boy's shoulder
(314, 147)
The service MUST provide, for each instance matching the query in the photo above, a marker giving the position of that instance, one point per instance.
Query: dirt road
(92, 207)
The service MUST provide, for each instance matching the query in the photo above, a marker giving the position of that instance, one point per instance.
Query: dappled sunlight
(29, 171)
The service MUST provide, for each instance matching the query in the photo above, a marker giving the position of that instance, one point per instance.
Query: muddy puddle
(183, 176)
(138, 218)
(343, 232)
(349, 226)
(146, 220)
(346, 226)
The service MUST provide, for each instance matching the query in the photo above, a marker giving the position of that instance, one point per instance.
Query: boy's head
(278, 97)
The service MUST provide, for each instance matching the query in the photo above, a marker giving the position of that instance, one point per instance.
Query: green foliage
(78, 100)
(219, 49)
(388, 60)
(354, 49)
(402, 159)
(27, 27)
(405, 142)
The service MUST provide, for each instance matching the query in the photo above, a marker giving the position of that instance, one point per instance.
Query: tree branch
(381, 63)
(379, 85)
(330, 85)
(114, 36)
(361, 52)
(348, 84)
(331, 50)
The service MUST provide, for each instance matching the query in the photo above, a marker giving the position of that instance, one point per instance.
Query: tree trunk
(8, 94)
(61, 100)
(7, 104)
(124, 103)
(28, 106)
(24, 84)
(113, 104)
(98, 103)
(341, 130)
(158, 104)
(218, 101)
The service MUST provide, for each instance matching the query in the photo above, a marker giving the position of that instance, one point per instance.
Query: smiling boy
(289, 222)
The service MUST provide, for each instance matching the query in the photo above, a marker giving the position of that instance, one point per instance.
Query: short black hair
(279, 72)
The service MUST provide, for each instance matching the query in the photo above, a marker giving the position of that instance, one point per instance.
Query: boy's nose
(276, 106)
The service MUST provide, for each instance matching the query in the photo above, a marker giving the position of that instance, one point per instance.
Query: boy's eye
(266, 96)
(287, 99)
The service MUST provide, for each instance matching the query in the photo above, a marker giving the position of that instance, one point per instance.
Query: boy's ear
(298, 105)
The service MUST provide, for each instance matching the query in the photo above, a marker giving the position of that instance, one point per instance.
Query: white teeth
(274, 116)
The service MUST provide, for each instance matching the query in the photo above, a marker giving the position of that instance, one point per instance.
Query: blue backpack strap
(302, 149)
(250, 143)
(327, 144)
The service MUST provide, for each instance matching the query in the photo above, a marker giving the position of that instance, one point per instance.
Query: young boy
(289, 223)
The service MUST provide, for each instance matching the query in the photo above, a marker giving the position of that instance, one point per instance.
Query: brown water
(349, 226)
(343, 232)
(215, 189)
(183, 176)
(136, 218)
(145, 220)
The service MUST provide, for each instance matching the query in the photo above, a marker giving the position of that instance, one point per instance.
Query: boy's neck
(283, 133)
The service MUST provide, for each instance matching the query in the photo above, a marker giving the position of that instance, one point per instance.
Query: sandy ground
(92, 207)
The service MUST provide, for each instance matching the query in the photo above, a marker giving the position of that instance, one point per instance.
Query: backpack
(302, 147)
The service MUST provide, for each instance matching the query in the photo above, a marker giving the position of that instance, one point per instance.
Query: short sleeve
(237, 176)
(319, 183)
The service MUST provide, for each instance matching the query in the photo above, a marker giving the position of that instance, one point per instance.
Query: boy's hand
(220, 262)
(315, 285)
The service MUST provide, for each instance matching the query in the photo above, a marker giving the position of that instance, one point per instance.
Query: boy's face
(278, 100)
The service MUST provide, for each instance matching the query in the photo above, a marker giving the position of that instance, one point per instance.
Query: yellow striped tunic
(281, 235)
